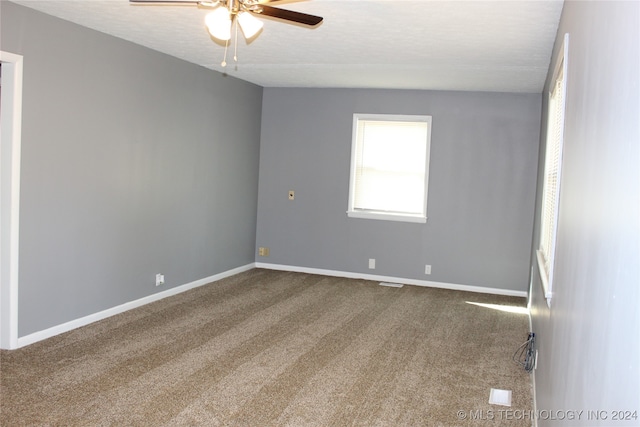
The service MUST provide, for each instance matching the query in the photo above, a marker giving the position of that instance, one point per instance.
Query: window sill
(546, 288)
(387, 216)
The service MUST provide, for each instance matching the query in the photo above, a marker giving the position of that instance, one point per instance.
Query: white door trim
(10, 146)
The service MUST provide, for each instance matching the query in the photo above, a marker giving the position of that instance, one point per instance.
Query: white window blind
(390, 167)
(552, 174)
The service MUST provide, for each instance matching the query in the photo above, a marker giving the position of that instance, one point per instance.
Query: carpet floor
(270, 348)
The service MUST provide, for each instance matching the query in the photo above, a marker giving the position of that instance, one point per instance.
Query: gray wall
(589, 356)
(133, 163)
(482, 183)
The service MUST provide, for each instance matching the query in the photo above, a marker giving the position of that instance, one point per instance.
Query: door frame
(10, 148)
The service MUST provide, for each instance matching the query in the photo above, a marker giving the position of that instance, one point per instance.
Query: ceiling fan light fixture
(218, 23)
(249, 24)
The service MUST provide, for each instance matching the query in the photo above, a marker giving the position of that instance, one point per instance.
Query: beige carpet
(268, 348)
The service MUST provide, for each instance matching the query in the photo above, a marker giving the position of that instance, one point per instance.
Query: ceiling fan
(236, 7)
(220, 21)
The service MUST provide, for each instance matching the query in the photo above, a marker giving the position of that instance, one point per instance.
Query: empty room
(319, 213)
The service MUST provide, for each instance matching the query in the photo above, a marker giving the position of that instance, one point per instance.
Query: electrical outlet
(292, 194)
(427, 269)
(372, 263)
(159, 279)
(262, 251)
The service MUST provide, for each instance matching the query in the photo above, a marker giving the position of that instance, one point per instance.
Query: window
(552, 170)
(389, 167)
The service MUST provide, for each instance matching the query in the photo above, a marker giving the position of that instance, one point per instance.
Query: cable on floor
(525, 354)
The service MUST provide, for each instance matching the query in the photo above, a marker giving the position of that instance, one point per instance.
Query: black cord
(524, 355)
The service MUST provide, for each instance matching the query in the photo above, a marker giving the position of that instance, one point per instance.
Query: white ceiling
(476, 45)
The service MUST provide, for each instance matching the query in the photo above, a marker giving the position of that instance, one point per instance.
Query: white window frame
(550, 205)
(353, 212)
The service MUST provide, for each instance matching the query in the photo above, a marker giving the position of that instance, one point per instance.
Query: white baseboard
(86, 320)
(83, 321)
(404, 281)
(534, 420)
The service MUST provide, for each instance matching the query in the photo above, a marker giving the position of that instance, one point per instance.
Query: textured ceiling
(476, 45)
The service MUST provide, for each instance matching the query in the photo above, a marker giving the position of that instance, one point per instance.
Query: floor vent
(391, 285)
(500, 397)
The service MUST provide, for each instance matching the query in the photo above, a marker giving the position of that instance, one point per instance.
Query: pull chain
(235, 47)
(224, 61)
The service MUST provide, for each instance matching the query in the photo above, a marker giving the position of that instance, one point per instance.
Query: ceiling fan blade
(289, 15)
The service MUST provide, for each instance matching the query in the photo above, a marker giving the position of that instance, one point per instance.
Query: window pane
(390, 165)
(552, 174)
